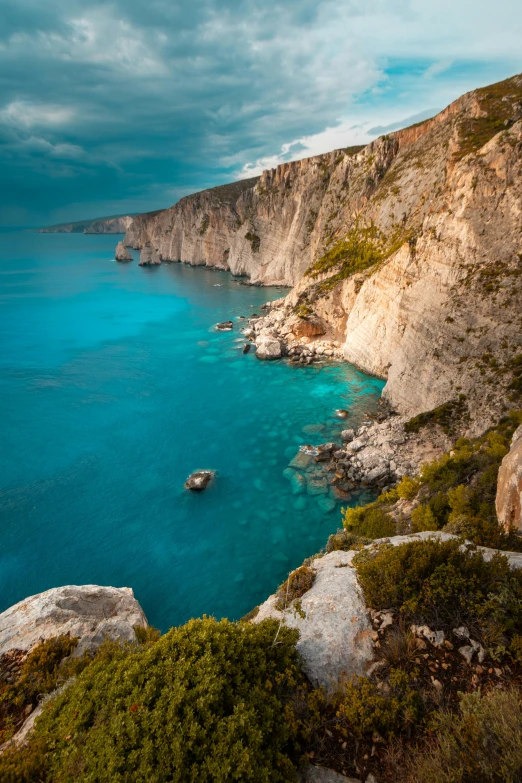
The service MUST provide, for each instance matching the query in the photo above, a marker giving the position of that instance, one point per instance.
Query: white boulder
(268, 348)
(90, 612)
(334, 628)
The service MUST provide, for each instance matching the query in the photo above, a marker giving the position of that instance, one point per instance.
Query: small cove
(114, 386)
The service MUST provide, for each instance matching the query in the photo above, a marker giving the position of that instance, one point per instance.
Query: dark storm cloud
(107, 107)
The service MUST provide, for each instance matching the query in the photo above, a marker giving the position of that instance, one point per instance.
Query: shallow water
(114, 386)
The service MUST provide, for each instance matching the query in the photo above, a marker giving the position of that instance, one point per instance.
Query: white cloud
(24, 114)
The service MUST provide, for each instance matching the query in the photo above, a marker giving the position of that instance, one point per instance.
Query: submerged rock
(199, 480)
(246, 348)
(89, 612)
(122, 254)
(341, 413)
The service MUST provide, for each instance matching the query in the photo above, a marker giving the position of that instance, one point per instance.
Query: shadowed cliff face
(410, 249)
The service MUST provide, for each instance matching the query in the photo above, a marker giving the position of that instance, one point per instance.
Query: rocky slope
(409, 250)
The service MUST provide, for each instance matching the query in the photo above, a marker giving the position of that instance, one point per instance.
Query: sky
(126, 106)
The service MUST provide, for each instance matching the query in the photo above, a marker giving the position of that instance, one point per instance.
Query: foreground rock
(199, 480)
(122, 254)
(90, 612)
(313, 774)
(509, 486)
(335, 631)
(225, 326)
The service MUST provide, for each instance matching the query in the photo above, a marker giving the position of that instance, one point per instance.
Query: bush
(440, 584)
(207, 702)
(481, 743)
(369, 521)
(297, 584)
(365, 709)
(40, 673)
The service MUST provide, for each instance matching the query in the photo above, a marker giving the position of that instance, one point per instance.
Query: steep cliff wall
(410, 249)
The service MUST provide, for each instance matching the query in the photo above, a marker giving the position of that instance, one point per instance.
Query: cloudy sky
(129, 105)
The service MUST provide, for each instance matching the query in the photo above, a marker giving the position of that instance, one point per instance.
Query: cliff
(409, 249)
(116, 224)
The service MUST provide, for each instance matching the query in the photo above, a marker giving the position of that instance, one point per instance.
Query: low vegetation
(297, 584)
(210, 701)
(455, 493)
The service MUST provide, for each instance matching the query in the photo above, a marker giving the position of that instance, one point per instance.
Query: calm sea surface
(114, 386)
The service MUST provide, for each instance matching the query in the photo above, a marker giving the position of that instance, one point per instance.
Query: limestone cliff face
(509, 486)
(112, 225)
(413, 247)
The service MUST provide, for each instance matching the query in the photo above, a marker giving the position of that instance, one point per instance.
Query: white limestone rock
(509, 486)
(268, 348)
(335, 631)
(122, 254)
(90, 612)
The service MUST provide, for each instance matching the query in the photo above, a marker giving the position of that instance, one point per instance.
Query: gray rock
(225, 326)
(348, 435)
(199, 480)
(122, 254)
(90, 612)
(335, 632)
(268, 348)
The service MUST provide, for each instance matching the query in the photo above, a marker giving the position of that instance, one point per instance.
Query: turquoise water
(114, 386)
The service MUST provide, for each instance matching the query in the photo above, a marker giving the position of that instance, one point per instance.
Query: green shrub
(369, 521)
(41, 672)
(448, 416)
(365, 709)
(443, 585)
(480, 743)
(297, 584)
(408, 487)
(207, 702)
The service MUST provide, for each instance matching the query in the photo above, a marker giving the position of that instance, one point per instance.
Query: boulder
(90, 612)
(348, 435)
(268, 348)
(509, 486)
(199, 480)
(246, 348)
(306, 327)
(122, 254)
(225, 326)
(334, 628)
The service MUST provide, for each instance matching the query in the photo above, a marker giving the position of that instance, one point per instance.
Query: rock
(149, 256)
(435, 637)
(509, 486)
(348, 435)
(326, 504)
(297, 483)
(268, 348)
(335, 632)
(467, 652)
(122, 254)
(90, 612)
(461, 632)
(246, 348)
(316, 485)
(306, 327)
(313, 774)
(225, 326)
(376, 475)
(357, 444)
(199, 480)
(301, 460)
(341, 413)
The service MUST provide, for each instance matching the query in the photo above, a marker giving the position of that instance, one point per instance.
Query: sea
(114, 386)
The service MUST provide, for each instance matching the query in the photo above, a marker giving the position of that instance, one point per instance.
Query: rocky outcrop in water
(411, 246)
(122, 254)
(509, 486)
(89, 612)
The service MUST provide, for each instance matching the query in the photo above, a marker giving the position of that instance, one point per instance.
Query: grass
(293, 588)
